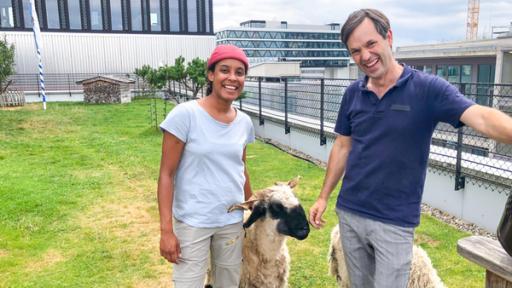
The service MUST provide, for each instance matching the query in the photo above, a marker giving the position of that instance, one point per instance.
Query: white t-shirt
(210, 176)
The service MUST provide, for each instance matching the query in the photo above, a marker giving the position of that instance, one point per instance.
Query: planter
(12, 98)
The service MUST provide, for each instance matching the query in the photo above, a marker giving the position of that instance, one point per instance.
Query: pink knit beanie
(222, 52)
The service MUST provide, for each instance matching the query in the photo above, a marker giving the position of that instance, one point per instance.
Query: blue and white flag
(37, 38)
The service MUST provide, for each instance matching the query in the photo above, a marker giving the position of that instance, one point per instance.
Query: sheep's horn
(280, 183)
(292, 183)
(242, 206)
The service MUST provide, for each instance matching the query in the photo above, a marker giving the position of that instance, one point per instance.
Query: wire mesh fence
(463, 152)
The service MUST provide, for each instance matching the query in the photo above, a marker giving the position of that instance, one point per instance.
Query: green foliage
(196, 73)
(78, 204)
(192, 76)
(144, 71)
(6, 64)
(178, 71)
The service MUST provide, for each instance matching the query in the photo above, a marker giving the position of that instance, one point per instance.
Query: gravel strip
(455, 222)
(449, 219)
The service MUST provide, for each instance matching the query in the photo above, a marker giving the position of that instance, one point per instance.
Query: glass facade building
(313, 45)
(111, 16)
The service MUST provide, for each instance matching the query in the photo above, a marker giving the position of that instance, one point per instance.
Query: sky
(412, 21)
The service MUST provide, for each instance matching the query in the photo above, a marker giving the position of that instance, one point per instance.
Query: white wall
(105, 53)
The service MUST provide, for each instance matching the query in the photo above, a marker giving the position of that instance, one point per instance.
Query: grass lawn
(78, 203)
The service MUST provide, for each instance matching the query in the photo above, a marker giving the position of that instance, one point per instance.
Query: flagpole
(37, 39)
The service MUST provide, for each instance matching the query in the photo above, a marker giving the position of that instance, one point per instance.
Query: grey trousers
(378, 255)
(225, 245)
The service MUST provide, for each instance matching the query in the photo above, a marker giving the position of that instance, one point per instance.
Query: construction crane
(472, 21)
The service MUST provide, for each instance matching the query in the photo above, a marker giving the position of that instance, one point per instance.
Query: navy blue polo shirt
(386, 167)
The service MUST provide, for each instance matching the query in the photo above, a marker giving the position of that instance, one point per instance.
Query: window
(27, 13)
(136, 15)
(96, 15)
(427, 69)
(52, 14)
(453, 74)
(441, 71)
(484, 89)
(207, 15)
(6, 16)
(486, 73)
(465, 75)
(75, 20)
(155, 15)
(174, 15)
(192, 15)
(116, 15)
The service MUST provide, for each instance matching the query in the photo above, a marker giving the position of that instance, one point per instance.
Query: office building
(317, 47)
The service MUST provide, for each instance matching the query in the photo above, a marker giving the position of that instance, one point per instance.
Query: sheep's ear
(242, 206)
(258, 211)
(292, 183)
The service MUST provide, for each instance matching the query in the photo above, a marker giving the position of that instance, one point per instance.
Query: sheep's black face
(292, 221)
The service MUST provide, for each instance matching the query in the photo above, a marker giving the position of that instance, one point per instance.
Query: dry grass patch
(125, 217)
(157, 283)
(50, 258)
(425, 239)
(11, 108)
(3, 253)
(50, 127)
(27, 107)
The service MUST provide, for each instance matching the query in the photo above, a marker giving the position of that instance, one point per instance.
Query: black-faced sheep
(422, 275)
(276, 213)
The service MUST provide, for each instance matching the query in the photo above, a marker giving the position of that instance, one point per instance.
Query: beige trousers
(224, 244)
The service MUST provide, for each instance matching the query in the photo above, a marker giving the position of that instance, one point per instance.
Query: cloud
(420, 21)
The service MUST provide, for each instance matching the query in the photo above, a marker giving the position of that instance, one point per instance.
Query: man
(384, 128)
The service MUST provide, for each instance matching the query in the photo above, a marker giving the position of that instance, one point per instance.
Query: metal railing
(315, 102)
(67, 84)
(462, 152)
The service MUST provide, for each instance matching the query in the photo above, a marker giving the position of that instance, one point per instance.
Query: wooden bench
(489, 254)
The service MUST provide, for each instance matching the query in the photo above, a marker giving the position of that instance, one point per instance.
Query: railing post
(286, 126)
(240, 101)
(69, 86)
(262, 121)
(323, 139)
(165, 109)
(155, 113)
(460, 180)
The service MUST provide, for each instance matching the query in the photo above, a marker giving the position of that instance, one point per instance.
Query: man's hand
(170, 247)
(315, 213)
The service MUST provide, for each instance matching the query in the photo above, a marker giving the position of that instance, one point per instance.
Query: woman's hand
(170, 247)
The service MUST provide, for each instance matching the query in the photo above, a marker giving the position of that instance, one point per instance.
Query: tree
(6, 64)
(192, 77)
(196, 73)
(178, 71)
(143, 73)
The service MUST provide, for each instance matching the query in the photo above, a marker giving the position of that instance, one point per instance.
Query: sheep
(422, 275)
(276, 213)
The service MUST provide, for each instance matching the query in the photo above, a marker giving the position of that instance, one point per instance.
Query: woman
(202, 173)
